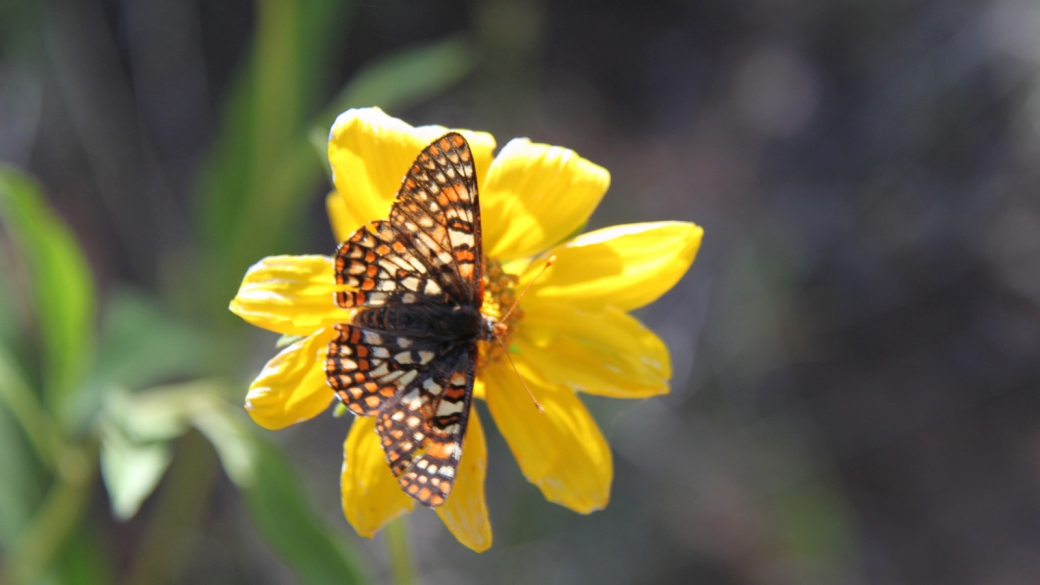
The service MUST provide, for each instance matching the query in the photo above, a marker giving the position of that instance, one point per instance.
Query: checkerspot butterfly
(408, 356)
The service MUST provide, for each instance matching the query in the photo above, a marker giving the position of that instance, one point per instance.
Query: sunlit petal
(371, 495)
(625, 266)
(343, 224)
(370, 153)
(605, 352)
(291, 295)
(535, 196)
(562, 451)
(291, 388)
(465, 513)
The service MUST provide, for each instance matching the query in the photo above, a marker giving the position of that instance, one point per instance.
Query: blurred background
(856, 349)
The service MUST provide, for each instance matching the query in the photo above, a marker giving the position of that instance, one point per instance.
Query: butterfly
(408, 356)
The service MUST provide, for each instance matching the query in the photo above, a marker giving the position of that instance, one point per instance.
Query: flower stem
(169, 541)
(57, 517)
(397, 547)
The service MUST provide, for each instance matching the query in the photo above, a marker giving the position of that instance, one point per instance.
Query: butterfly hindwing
(366, 368)
(422, 433)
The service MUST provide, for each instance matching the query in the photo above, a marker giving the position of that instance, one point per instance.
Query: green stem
(397, 547)
(172, 533)
(38, 425)
(57, 517)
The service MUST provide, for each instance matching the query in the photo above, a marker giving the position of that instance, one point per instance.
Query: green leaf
(281, 513)
(264, 163)
(84, 561)
(131, 471)
(253, 185)
(136, 429)
(21, 483)
(57, 518)
(142, 345)
(62, 287)
(232, 439)
(283, 182)
(153, 415)
(10, 330)
(142, 420)
(323, 25)
(405, 78)
(276, 502)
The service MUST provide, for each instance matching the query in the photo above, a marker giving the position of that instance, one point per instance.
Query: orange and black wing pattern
(406, 357)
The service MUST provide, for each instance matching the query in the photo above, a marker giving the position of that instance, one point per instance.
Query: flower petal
(343, 224)
(535, 196)
(561, 451)
(370, 153)
(465, 513)
(626, 266)
(608, 352)
(371, 495)
(291, 387)
(291, 295)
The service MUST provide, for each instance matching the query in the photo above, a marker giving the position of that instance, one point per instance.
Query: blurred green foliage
(134, 389)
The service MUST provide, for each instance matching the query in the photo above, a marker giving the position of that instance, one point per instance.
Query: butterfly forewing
(438, 211)
(408, 355)
(382, 269)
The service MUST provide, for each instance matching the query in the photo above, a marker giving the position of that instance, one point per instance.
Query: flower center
(499, 297)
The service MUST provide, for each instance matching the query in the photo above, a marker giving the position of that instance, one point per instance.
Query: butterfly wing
(438, 212)
(382, 268)
(431, 245)
(418, 385)
(423, 430)
(366, 367)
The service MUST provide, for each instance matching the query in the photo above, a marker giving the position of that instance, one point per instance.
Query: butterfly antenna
(516, 303)
(537, 404)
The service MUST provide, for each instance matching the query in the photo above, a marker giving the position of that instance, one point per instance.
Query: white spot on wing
(407, 379)
(432, 387)
(448, 408)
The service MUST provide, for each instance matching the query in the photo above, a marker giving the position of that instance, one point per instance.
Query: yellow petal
(291, 295)
(291, 388)
(371, 495)
(370, 152)
(605, 352)
(479, 388)
(561, 451)
(535, 196)
(465, 513)
(625, 266)
(343, 225)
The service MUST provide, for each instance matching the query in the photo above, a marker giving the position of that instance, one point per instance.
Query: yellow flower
(570, 333)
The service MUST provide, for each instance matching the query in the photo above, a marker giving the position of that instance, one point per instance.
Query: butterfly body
(436, 323)
(408, 356)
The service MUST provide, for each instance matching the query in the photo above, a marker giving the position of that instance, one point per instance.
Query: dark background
(856, 349)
